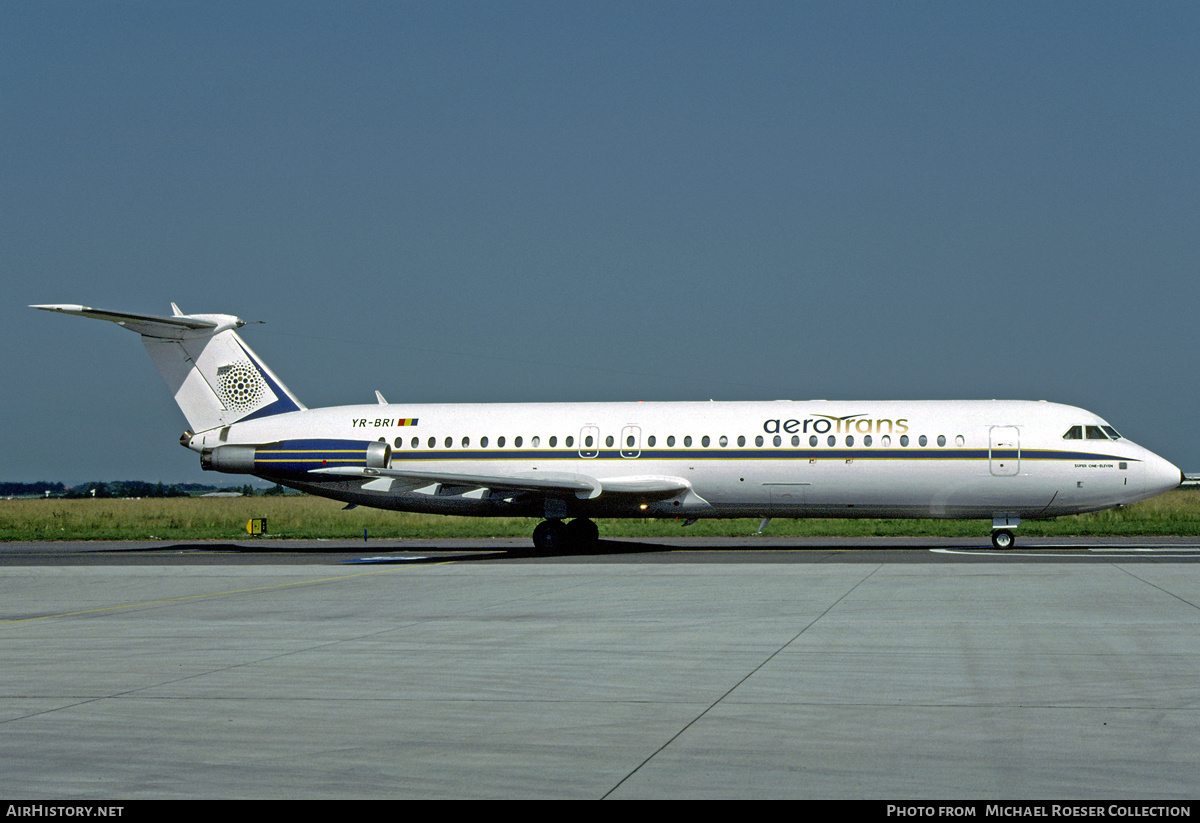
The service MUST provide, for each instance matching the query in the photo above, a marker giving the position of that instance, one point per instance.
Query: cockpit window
(1091, 433)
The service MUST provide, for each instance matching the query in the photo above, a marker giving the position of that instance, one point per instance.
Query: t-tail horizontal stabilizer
(215, 377)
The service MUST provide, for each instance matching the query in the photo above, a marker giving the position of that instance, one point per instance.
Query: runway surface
(750, 549)
(757, 667)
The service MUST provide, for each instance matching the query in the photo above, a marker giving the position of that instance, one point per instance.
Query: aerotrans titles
(850, 424)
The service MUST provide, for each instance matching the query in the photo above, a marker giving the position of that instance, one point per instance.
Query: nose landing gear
(1002, 530)
(1003, 539)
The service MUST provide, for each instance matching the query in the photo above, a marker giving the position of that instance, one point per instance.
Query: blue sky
(508, 201)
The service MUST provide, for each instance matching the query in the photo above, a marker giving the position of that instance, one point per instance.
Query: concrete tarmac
(684, 668)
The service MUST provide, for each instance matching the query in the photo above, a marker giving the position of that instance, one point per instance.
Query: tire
(1003, 539)
(550, 535)
(583, 532)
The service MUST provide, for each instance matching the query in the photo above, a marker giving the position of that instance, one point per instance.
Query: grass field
(1176, 513)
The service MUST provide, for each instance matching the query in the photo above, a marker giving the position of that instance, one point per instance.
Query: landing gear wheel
(1003, 539)
(583, 532)
(550, 535)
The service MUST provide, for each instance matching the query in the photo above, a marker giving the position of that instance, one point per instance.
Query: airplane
(963, 459)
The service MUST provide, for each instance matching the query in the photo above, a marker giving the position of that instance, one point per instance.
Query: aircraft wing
(572, 484)
(579, 485)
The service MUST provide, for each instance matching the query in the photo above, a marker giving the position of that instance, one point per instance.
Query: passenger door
(1004, 451)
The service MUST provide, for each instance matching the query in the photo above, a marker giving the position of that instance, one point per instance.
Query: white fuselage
(946, 459)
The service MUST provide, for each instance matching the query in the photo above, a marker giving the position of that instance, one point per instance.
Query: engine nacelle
(296, 456)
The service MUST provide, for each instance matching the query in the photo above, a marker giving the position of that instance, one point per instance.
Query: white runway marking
(384, 559)
(1158, 550)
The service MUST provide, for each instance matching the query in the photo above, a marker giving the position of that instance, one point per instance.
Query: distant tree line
(128, 488)
(24, 489)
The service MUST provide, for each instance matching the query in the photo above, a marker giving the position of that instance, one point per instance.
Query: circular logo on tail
(240, 386)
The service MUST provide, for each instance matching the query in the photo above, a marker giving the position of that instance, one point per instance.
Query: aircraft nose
(1161, 475)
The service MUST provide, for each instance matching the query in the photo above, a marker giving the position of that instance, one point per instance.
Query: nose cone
(1161, 475)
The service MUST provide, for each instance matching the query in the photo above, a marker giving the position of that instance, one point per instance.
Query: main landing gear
(555, 535)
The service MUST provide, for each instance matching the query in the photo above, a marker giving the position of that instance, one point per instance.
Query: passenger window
(904, 440)
(724, 441)
(517, 442)
(449, 442)
(1074, 433)
(416, 441)
(687, 440)
(777, 440)
(650, 441)
(885, 441)
(483, 442)
(941, 439)
(741, 440)
(670, 440)
(849, 440)
(553, 441)
(923, 440)
(587, 441)
(758, 441)
(866, 440)
(399, 442)
(432, 442)
(500, 442)
(466, 442)
(608, 441)
(570, 441)
(832, 440)
(812, 441)
(795, 440)
(704, 441)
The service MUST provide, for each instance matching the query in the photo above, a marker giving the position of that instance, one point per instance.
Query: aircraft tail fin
(215, 377)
